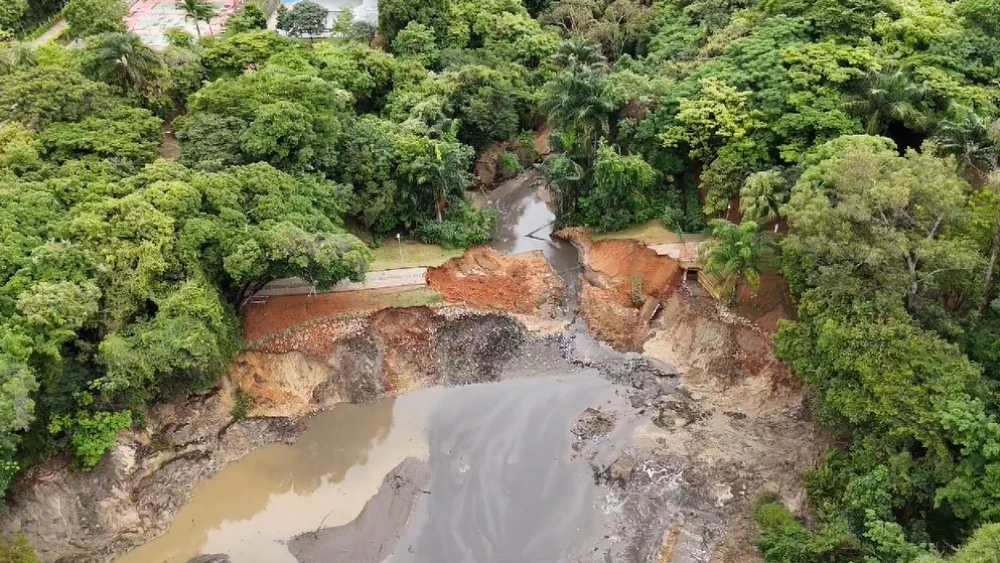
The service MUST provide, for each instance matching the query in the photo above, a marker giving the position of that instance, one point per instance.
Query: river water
(505, 485)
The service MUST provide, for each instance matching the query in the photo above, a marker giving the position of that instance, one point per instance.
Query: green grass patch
(651, 232)
(414, 255)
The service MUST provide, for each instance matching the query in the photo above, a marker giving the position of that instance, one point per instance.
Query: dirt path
(50, 34)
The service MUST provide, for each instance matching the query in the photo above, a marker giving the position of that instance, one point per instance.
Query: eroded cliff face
(363, 359)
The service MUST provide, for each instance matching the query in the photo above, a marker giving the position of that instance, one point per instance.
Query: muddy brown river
(505, 484)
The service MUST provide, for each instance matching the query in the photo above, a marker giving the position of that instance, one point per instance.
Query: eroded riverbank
(701, 420)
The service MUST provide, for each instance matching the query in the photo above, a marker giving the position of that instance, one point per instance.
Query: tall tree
(305, 18)
(882, 97)
(762, 195)
(124, 61)
(11, 12)
(249, 18)
(198, 11)
(734, 254)
(966, 136)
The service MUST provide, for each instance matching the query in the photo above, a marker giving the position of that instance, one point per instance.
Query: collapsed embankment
(715, 421)
(624, 283)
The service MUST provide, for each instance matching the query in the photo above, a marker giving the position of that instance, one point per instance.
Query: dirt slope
(612, 268)
(484, 278)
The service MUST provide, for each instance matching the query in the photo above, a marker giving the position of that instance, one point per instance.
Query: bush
(242, 402)
(508, 165)
(16, 549)
(91, 434)
(251, 17)
(463, 228)
(91, 17)
(177, 37)
(785, 540)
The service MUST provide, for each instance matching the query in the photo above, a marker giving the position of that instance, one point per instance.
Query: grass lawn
(415, 254)
(651, 232)
(411, 296)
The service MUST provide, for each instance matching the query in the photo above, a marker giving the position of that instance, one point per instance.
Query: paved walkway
(684, 252)
(373, 280)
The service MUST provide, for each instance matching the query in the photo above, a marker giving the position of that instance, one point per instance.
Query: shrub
(16, 549)
(461, 229)
(242, 402)
(508, 165)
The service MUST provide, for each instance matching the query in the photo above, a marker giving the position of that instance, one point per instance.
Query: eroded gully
(486, 473)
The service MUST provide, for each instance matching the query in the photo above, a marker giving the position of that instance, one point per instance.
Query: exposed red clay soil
(612, 266)
(770, 304)
(280, 313)
(484, 278)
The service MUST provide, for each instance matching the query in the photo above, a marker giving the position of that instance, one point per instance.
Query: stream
(484, 473)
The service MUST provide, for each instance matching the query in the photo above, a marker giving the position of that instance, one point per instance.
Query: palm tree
(198, 10)
(970, 140)
(15, 55)
(735, 253)
(762, 195)
(122, 60)
(577, 54)
(449, 175)
(883, 97)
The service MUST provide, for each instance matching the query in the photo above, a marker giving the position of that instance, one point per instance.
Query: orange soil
(484, 278)
(606, 294)
(619, 261)
(284, 312)
(770, 304)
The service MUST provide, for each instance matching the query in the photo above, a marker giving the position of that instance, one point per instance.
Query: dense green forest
(863, 131)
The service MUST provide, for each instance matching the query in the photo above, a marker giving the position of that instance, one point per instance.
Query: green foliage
(762, 195)
(416, 42)
(290, 120)
(785, 540)
(11, 12)
(91, 434)
(91, 17)
(624, 184)
(882, 98)
(305, 18)
(249, 18)
(16, 549)
(197, 11)
(177, 37)
(394, 15)
(242, 403)
(130, 134)
(231, 55)
(463, 227)
(735, 254)
(41, 96)
(984, 14)
(509, 165)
